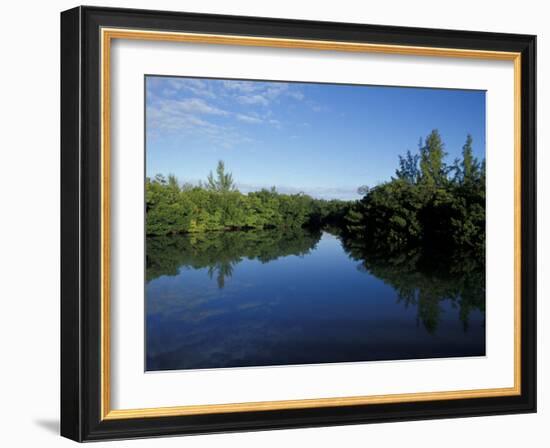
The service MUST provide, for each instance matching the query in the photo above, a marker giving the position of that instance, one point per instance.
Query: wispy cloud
(190, 117)
(253, 99)
(297, 95)
(240, 86)
(249, 119)
(196, 87)
(196, 105)
(261, 93)
(216, 109)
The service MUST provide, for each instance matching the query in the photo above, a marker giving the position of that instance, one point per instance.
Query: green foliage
(433, 171)
(388, 215)
(408, 168)
(223, 182)
(469, 171)
(424, 205)
(401, 230)
(428, 204)
(217, 205)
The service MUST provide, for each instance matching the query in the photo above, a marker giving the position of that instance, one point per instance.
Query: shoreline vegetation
(422, 232)
(428, 204)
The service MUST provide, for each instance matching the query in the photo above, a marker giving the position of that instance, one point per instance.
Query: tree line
(429, 203)
(216, 205)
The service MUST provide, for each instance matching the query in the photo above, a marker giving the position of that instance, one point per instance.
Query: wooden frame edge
(107, 34)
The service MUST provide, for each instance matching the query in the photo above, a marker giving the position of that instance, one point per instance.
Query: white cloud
(248, 119)
(191, 118)
(197, 87)
(197, 105)
(242, 86)
(212, 109)
(297, 95)
(260, 93)
(276, 90)
(253, 99)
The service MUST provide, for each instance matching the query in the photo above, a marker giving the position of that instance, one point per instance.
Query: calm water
(269, 298)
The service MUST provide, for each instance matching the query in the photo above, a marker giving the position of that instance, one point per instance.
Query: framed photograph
(274, 223)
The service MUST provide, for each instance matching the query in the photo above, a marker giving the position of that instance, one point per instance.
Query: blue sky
(325, 140)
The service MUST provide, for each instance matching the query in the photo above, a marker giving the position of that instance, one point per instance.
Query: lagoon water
(239, 299)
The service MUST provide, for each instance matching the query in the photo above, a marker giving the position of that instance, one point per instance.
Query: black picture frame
(81, 224)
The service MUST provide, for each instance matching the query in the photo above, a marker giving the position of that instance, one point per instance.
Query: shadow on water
(302, 296)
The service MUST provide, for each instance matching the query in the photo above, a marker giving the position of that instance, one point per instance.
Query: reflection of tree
(425, 279)
(420, 279)
(222, 270)
(220, 252)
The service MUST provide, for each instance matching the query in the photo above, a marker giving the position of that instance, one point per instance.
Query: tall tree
(470, 168)
(408, 168)
(432, 166)
(223, 182)
(173, 182)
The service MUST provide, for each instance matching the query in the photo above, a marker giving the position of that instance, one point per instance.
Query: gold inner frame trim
(107, 35)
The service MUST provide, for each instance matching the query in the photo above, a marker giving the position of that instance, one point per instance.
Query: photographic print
(303, 205)
(302, 223)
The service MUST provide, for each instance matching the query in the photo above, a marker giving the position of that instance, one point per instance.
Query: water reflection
(220, 252)
(425, 279)
(299, 297)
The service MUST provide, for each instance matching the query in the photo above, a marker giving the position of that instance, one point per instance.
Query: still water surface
(240, 299)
